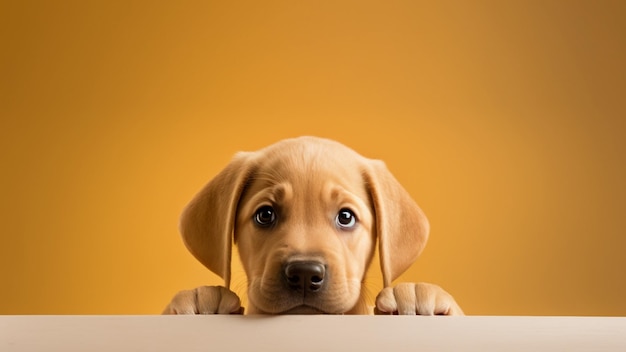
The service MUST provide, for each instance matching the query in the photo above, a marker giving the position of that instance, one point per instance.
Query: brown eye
(265, 216)
(345, 219)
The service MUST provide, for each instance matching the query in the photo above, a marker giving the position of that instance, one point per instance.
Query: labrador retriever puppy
(306, 215)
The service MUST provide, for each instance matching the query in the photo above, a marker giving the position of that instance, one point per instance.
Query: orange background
(504, 119)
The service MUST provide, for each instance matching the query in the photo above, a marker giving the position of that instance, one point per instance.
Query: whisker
(370, 289)
(239, 285)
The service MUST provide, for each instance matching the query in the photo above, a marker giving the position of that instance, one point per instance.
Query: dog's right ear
(208, 221)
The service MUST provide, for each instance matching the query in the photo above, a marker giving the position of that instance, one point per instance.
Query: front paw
(416, 298)
(205, 300)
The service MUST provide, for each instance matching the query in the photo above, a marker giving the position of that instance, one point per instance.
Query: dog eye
(265, 216)
(345, 219)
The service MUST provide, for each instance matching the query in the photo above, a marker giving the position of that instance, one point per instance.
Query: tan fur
(307, 181)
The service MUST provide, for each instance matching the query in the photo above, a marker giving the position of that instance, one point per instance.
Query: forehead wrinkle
(339, 193)
(279, 192)
(266, 178)
(274, 193)
(334, 193)
(271, 176)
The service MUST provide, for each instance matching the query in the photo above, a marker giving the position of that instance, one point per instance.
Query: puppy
(306, 215)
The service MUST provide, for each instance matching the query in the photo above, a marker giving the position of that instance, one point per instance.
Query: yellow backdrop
(504, 119)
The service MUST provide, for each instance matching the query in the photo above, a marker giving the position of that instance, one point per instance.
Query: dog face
(305, 214)
(305, 242)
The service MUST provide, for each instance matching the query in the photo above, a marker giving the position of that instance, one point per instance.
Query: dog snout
(306, 276)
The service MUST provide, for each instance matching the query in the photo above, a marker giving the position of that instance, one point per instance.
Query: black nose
(305, 275)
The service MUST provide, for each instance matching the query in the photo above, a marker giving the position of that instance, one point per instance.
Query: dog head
(305, 214)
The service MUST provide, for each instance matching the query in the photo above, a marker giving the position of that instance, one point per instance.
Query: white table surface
(310, 333)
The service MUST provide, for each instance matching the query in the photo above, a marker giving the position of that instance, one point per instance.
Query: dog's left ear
(401, 226)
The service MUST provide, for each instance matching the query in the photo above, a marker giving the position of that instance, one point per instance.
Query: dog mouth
(298, 306)
(303, 309)
(303, 287)
(276, 297)
(290, 305)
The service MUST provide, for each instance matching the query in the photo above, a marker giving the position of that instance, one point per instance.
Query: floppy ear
(401, 226)
(208, 221)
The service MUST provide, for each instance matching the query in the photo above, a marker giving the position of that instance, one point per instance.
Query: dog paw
(416, 299)
(205, 300)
